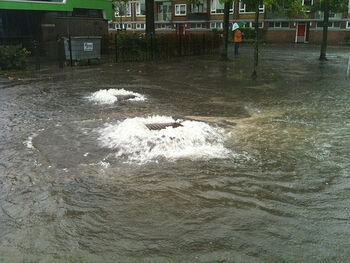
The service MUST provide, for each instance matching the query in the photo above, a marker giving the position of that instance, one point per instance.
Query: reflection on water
(257, 172)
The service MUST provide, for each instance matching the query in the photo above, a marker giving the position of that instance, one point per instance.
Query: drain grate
(161, 126)
(125, 97)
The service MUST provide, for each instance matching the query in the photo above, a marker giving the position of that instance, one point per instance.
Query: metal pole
(60, 52)
(116, 47)
(348, 71)
(70, 51)
(37, 54)
(69, 41)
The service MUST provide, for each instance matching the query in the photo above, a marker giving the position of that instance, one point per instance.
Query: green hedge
(347, 40)
(140, 47)
(13, 57)
(249, 33)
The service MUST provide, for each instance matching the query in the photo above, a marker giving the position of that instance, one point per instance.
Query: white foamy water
(133, 141)
(110, 96)
(29, 142)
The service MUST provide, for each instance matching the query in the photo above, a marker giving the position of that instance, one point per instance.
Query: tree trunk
(325, 30)
(150, 17)
(256, 46)
(226, 25)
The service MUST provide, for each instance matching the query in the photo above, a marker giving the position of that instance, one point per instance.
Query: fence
(123, 47)
(136, 47)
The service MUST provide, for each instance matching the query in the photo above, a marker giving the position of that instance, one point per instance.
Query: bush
(140, 47)
(13, 57)
(347, 40)
(249, 33)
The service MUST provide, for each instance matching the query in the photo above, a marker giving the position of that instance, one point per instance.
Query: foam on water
(29, 142)
(110, 96)
(134, 142)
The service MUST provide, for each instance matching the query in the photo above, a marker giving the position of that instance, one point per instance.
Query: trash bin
(83, 48)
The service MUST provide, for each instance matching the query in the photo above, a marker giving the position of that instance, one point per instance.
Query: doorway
(300, 33)
(181, 29)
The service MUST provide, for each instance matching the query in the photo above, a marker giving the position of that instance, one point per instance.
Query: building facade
(47, 20)
(182, 17)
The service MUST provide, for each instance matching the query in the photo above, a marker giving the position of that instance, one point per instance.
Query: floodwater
(258, 171)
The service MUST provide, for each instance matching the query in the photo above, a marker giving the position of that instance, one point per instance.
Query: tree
(328, 6)
(287, 7)
(226, 22)
(150, 29)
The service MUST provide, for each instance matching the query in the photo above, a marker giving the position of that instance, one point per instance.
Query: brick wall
(334, 37)
(280, 36)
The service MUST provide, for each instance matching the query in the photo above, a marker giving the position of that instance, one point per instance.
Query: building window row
(164, 26)
(123, 9)
(246, 8)
(219, 25)
(126, 26)
(279, 24)
(198, 25)
(333, 24)
(252, 25)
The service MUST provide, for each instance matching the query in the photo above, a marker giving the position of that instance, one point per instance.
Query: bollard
(116, 47)
(70, 51)
(348, 71)
(37, 54)
(60, 53)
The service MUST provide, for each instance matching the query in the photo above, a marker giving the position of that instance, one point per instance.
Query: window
(217, 7)
(260, 25)
(140, 26)
(140, 8)
(252, 24)
(285, 24)
(201, 7)
(308, 2)
(180, 10)
(217, 25)
(197, 25)
(123, 9)
(111, 26)
(245, 8)
(334, 24)
(164, 26)
(121, 26)
(279, 24)
(348, 24)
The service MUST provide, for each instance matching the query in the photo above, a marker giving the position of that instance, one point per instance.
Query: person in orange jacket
(237, 37)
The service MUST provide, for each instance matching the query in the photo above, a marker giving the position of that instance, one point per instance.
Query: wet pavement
(257, 171)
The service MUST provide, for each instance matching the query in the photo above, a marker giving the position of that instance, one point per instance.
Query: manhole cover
(161, 126)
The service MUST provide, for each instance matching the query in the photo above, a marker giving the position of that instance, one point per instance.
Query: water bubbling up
(133, 141)
(110, 96)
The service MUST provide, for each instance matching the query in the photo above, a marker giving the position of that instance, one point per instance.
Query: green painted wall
(68, 5)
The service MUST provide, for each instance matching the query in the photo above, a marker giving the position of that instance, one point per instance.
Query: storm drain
(161, 126)
(125, 97)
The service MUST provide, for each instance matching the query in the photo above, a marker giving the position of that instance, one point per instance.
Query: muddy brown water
(282, 196)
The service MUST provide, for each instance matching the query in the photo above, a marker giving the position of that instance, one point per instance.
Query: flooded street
(257, 171)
